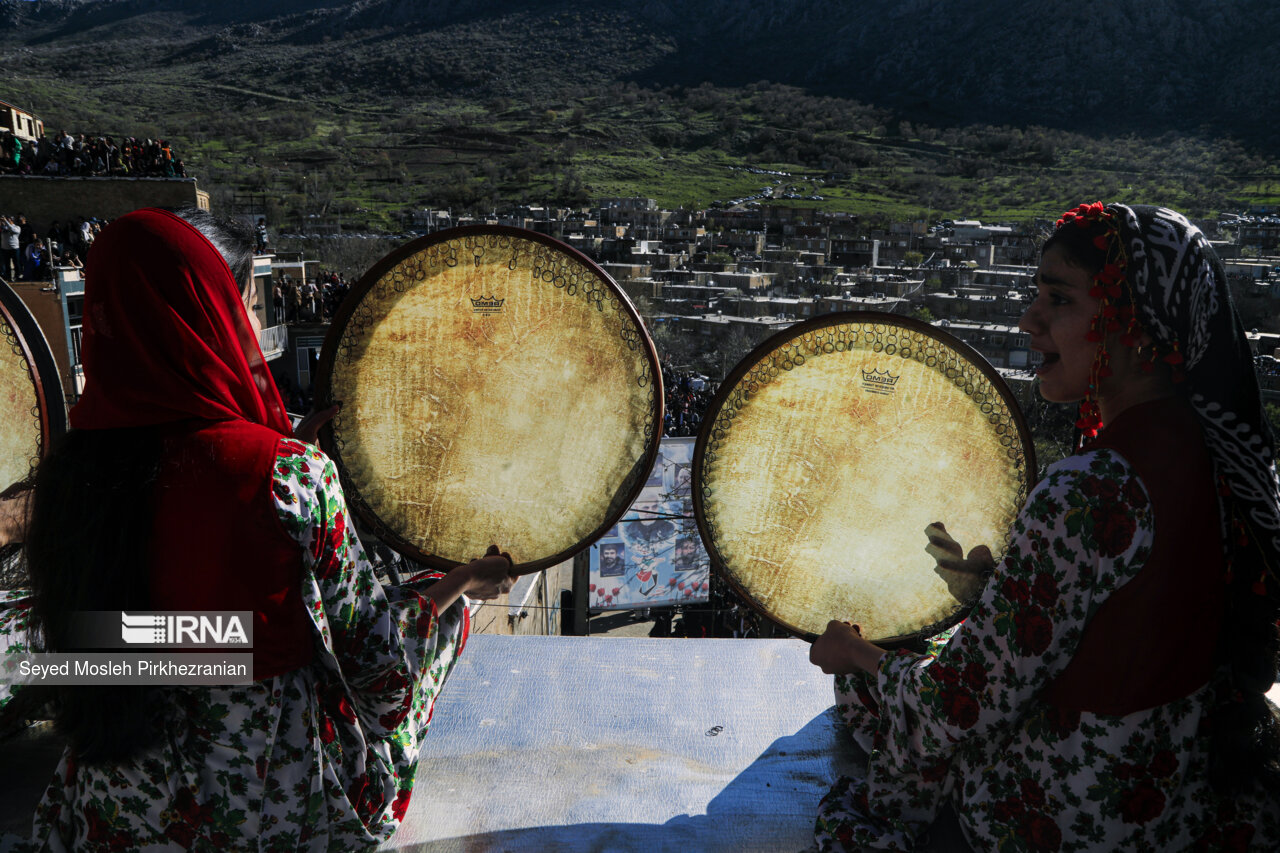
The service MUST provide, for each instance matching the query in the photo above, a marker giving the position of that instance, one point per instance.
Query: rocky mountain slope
(1115, 67)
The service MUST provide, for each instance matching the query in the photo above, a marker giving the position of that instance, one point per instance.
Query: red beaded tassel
(1108, 287)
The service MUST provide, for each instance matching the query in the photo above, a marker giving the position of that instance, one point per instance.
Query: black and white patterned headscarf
(1181, 299)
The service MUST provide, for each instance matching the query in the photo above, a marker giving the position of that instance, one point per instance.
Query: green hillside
(361, 112)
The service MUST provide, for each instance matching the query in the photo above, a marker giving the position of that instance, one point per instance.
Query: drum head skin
(496, 387)
(32, 411)
(827, 452)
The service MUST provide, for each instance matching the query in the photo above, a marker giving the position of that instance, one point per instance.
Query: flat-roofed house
(25, 125)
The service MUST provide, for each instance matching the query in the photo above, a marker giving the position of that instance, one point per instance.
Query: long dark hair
(88, 548)
(1244, 732)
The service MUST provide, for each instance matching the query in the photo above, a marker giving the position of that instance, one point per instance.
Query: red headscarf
(167, 341)
(166, 336)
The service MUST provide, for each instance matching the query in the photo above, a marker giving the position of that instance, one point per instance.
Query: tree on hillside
(675, 348)
(725, 352)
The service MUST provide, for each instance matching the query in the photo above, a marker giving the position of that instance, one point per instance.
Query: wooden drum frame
(830, 448)
(496, 385)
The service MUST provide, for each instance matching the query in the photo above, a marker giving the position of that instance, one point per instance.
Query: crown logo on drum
(880, 377)
(879, 381)
(487, 305)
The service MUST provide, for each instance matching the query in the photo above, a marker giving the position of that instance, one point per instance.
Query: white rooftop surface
(580, 743)
(601, 744)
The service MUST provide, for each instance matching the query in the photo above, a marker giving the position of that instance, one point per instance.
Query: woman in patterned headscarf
(1108, 689)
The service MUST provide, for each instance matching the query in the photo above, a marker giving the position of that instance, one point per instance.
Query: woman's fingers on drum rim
(939, 538)
(950, 555)
(948, 558)
(495, 551)
(964, 567)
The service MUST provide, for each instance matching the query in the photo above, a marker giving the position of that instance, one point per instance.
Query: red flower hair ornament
(1115, 310)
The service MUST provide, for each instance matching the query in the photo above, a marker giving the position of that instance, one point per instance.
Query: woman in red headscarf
(181, 487)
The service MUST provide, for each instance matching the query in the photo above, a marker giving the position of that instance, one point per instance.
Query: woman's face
(250, 299)
(1058, 321)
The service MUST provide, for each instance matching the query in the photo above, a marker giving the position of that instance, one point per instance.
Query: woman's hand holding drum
(841, 650)
(484, 578)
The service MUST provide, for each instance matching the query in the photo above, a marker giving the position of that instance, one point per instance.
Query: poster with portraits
(654, 557)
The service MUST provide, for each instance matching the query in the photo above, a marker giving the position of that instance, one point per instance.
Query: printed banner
(654, 556)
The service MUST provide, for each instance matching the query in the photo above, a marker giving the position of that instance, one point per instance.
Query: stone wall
(43, 200)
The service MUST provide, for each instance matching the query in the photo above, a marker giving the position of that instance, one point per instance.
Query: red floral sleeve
(1085, 530)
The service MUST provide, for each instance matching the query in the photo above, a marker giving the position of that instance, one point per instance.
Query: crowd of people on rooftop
(63, 155)
(309, 301)
(26, 254)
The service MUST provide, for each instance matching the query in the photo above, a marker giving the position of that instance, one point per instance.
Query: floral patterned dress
(320, 758)
(964, 722)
